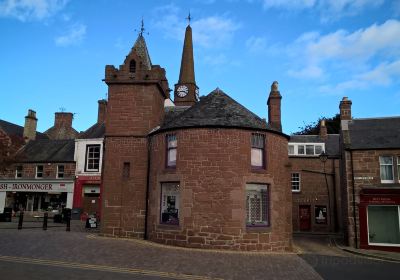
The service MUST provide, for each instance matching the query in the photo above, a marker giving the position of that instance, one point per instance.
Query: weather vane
(142, 29)
(189, 18)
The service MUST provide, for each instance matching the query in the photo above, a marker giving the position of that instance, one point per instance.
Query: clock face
(182, 91)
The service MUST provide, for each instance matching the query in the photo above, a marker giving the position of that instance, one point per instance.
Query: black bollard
(45, 218)
(67, 213)
(21, 219)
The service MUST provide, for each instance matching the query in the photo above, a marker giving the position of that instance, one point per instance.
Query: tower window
(132, 66)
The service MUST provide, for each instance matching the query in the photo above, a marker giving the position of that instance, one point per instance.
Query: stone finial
(275, 86)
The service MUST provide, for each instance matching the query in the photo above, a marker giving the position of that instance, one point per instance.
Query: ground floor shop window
(39, 201)
(170, 196)
(257, 205)
(383, 225)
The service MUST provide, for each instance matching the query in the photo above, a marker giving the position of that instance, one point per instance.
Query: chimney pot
(323, 131)
(30, 126)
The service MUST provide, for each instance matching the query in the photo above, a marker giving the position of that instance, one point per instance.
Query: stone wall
(213, 167)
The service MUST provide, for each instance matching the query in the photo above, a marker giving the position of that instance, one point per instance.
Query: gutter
(147, 187)
(354, 199)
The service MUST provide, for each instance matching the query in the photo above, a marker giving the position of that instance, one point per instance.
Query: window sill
(296, 191)
(260, 228)
(258, 169)
(169, 227)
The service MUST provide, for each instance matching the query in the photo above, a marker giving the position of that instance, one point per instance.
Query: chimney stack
(323, 131)
(274, 107)
(101, 115)
(345, 109)
(63, 119)
(30, 126)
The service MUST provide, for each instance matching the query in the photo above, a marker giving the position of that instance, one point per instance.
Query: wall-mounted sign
(36, 186)
(364, 178)
(320, 214)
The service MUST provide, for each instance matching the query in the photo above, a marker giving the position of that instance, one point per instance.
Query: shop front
(34, 197)
(87, 196)
(380, 219)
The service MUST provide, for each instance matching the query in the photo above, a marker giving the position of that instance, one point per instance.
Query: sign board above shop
(36, 186)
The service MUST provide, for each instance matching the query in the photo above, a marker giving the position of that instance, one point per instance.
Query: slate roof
(95, 131)
(45, 150)
(217, 109)
(140, 48)
(14, 129)
(374, 133)
(331, 143)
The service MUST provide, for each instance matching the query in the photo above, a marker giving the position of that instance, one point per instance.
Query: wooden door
(91, 204)
(305, 217)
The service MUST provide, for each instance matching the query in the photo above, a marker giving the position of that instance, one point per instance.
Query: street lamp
(323, 157)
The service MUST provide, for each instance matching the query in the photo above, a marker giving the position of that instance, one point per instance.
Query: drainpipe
(147, 186)
(354, 198)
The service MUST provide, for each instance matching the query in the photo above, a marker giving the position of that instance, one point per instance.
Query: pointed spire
(186, 74)
(140, 48)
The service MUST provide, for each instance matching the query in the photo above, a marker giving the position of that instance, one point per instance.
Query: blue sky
(53, 53)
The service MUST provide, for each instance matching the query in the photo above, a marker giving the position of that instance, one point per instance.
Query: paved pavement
(60, 249)
(331, 262)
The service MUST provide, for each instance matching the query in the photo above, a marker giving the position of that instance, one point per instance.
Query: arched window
(132, 66)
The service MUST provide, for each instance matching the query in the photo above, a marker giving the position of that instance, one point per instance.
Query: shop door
(305, 217)
(91, 203)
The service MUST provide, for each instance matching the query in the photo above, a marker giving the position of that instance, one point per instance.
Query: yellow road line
(104, 268)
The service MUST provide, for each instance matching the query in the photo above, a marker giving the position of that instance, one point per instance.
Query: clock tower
(186, 91)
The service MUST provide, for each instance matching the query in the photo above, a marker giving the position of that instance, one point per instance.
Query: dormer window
(132, 66)
(306, 149)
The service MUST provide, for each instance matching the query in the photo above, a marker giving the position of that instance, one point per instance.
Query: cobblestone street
(144, 258)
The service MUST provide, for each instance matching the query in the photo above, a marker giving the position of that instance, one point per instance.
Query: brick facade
(362, 170)
(313, 192)
(213, 167)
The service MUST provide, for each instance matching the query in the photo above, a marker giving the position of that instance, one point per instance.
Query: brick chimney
(323, 131)
(274, 107)
(345, 118)
(101, 115)
(345, 109)
(63, 119)
(30, 126)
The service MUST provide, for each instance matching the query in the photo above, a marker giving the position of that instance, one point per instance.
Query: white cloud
(208, 32)
(256, 44)
(74, 36)
(309, 72)
(289, 4)
(26, 10)
(361, 59)
(328, 9)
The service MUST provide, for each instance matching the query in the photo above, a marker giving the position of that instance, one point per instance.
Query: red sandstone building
(41, 176)
(370, 180)
(315, 182)
(200, 172)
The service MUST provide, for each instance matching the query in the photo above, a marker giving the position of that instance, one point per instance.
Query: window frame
(257, 187)
(398, 169)
(37, 171)
(169, 149)
(263, 164)
(18, 171)
(293, 181)
(380, 169)
(177, 205)
(132, 66)
(60, 172)
(297, 146)
(87, 169)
